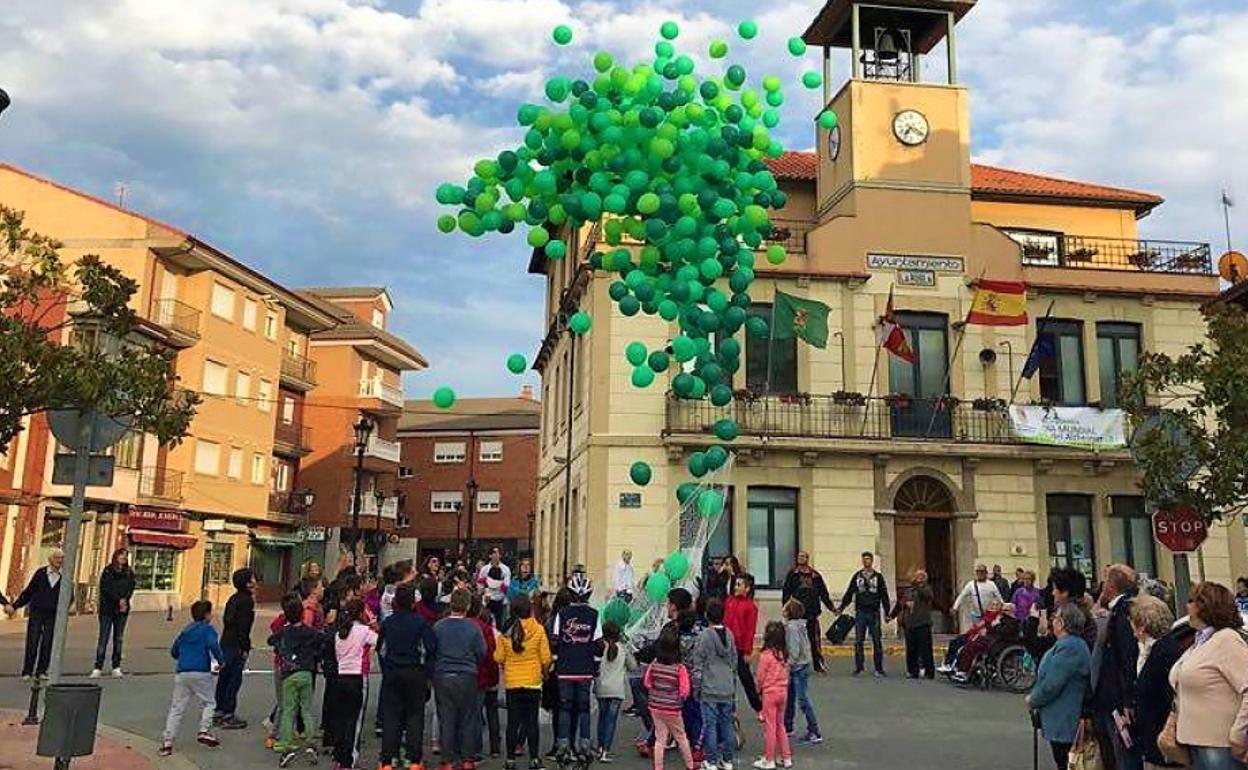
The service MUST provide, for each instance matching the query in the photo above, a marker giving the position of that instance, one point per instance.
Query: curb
(846, 650)
(146, 748)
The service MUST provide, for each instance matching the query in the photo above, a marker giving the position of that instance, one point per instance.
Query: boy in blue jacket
(194, 650)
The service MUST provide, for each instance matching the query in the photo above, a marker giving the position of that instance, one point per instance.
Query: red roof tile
(992, 182)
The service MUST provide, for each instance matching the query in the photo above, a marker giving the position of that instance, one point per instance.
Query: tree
(1192, 447)
(106, 367)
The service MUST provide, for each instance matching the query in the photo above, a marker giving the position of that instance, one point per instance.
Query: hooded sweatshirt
(715, 658)
(196, 647)
(239, 615)
(741, 619)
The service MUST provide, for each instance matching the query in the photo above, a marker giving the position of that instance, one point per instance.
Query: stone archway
(923, 533)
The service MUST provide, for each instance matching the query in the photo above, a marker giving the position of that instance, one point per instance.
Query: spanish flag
(999, 303)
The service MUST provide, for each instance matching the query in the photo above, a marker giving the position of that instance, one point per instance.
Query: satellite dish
(1233, 267)
(1170, 425)
(66, 425)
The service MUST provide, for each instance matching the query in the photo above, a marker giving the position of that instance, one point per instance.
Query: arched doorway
(923, 536)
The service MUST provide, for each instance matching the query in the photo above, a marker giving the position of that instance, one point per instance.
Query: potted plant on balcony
(797, 397)
(898, 400)
(745, 395)
(849, 398)
(946, 402)
(988, 404)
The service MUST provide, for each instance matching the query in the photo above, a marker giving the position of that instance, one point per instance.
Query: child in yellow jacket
(524, 654)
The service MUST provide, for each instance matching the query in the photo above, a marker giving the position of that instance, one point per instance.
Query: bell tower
(904, 122)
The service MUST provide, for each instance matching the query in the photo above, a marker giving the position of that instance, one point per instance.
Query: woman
(524, 582)
(1025, 596)
(1062, 682)
(432, 568)
(116, 588)
(1210, 680)
(1159, 649)
(914, 614)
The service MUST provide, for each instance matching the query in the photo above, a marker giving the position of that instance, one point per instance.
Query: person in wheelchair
(994, 630)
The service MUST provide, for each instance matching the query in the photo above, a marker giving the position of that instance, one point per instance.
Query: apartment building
(848, 449)
(468, 477)
(192, 513)
(359, 367)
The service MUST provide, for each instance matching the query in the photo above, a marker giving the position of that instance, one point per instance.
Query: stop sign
(1179, 529)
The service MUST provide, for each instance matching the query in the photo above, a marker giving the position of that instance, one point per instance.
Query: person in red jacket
(487, 681)
(741, 620)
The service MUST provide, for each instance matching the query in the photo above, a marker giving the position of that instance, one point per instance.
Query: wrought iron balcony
(1094, 253)
(178, 317)
(160, 484)
(295, 436)
(298, 369)
(791, 234)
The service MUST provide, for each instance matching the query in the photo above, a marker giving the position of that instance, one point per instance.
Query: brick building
(468, 474)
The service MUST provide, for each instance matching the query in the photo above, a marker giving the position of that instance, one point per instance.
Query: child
(297, 645)
(800, 662)
(667, 684)
(460, 648)
(274, 721)
(410, 647)
(194, 649)
(487, 679)
(611, 684)
(312, 592)
(715, 656)
(773, 686)
(524, 655)
(577, 630)
(741, 620)
(348, 688)
(239, 615)
(678, 601)
(550, 685)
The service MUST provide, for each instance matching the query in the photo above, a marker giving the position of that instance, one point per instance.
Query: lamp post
(472, 507)
(379, 498)
(363, 429)
(459, 516)
(304, 500)
(531, 517)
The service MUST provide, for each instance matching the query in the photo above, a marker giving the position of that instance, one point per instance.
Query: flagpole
(771, 337)
(957, 348)
(875, 368)
(1040, 327)
(1226, 215)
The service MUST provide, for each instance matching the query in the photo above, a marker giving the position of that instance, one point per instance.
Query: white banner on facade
(1077, 426)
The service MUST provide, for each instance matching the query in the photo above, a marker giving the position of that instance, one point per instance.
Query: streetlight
(472, 507)
(303, 502)
(379, 498)
(531, 517)
(363, 429)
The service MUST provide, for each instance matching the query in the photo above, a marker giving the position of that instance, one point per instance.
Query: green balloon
(579, 323)
(562, 34)
(635, 352)
(643, 377)
(719, 49)
(640, 473)
(657, 586)
(443, 398)
(556, 249)
(726, 430)
(676, 566)
(748, 30)
(776, 254)
(721, 395)
(616, 611)
(683, 384)
(683, 348)
(668, 310)
(716, 457)
(812, 79)
(756, 326)
(538, 237)
(669, 30)
(446, 223)
(634, 615)
(827, 120)
(710, 502)
(685, 492)
(797, 46)
(659, 361)
(697, 464)
(516, 363)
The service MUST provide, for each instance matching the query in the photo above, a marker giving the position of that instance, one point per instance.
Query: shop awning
(166, 539)
(272, 541)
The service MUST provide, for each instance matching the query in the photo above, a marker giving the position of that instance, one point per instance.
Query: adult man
(805, 584)
(495, 591)
(869, 593)
(239, 615)
(1113, 696)
(623, 578)
(41, 595)
(1003, 585)
(975, 597)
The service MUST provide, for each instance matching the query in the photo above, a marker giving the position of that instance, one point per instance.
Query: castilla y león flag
(999, 303)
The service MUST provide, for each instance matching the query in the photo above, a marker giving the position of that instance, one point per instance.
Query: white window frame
(242, 388)
(222, 302)
(234, 468)
(490, 452)
(250, 309)
(379, 318)
(211, 384)
(445, 502)
(270, 325)
(489, 501)
(447, 452)
(203, 449)
(406, 472)
(288, 410)
(264, 395)
(258, 468)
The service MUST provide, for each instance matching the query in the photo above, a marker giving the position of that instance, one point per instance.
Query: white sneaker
(785, 763)
(762, 763)
(725, 766)
(96, 673)
(709, 765)
(118, 673)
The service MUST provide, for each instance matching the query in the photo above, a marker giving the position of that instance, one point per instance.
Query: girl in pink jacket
(773, 686)
(668, 685)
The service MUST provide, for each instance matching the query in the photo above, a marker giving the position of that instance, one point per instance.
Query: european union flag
(1044, 347)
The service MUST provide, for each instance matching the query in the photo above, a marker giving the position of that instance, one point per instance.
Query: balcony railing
(299, 368)
(791, 234)
(382, 449)
(176, 316)
(368, 506)
(1092, 253)
(879, 418)
(287, 502)
(160, 484)
(294, 435)
(377, 388)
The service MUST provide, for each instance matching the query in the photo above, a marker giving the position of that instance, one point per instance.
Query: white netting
(647, 616)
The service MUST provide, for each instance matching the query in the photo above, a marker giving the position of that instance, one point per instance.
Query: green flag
(804, 318)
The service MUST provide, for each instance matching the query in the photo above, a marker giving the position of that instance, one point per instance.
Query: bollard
(32, 710)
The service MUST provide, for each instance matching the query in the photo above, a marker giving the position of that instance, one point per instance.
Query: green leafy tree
(1193, 446)
(106, 366)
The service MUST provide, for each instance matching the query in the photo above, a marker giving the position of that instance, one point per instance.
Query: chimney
(526, 392)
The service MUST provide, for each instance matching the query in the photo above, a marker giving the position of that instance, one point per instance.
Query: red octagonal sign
(1179, 529)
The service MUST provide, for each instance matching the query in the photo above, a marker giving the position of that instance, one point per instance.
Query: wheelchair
(1010, 662)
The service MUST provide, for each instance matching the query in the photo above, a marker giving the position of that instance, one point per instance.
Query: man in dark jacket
(869, 593)
(40, 597)
(116, 588)
(805, 584)
(240, 613)
(1113, 696)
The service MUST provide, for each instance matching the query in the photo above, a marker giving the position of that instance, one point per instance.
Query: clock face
(834, 142)
(910, 127)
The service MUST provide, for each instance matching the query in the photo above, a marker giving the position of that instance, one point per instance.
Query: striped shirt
(667, 685)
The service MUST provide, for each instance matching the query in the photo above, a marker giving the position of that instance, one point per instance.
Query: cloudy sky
(306, 136)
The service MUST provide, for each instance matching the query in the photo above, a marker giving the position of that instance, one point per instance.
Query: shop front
(274, 561)
(158, 541)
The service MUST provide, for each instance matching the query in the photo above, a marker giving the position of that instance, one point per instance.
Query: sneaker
(786, 762)
(95, 673)
(857, 672)
(698, 756)
(536, 764)
(605, 757)
(509, 764)
(644, 749)
(881, 675)
(762, 763)
(287, 757)
(709, 765)
(812, 737)
(209, 740)
(944, 668)
(27, 678)
(311, 756)
(468, 764)
(166, 749)
(118, 673)
(232, 723)
(725, 766)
